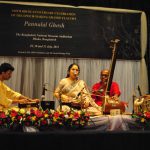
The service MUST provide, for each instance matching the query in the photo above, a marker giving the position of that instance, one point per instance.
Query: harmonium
(114, 106)
(28, 105)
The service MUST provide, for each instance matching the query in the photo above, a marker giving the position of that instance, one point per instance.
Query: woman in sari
(73, 92)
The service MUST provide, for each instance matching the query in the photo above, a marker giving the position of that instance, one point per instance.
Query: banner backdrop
(39, 31)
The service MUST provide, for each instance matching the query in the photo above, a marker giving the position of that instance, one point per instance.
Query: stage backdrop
(41, 31)
(54, 42)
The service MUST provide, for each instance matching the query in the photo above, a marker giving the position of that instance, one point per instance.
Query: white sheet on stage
(110, 123)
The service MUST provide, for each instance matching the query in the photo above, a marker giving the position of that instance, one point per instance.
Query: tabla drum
(28, 105)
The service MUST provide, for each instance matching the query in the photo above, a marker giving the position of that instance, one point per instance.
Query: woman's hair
(69, 68)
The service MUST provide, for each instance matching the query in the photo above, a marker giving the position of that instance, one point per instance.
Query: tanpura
(111, 102)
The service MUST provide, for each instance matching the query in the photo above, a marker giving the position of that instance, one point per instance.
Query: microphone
(140, 93)
(60, 101)
(76, 74)
(115, 41)
(101, 90)
(133, 99)
(77, 96)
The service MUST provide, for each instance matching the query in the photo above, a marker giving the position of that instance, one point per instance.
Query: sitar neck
(112, 66)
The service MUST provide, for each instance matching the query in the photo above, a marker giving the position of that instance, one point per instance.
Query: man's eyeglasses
(104, 75)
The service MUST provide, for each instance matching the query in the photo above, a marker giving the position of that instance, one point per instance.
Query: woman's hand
(85, 104)
(66, 99)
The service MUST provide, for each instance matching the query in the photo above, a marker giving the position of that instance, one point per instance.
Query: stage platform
(88, 139)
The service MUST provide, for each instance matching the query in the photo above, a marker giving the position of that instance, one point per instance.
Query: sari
(75, 93)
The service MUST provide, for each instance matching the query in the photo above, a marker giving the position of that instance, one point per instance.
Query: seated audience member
(7, 95)
(99, 89)
(74, 93)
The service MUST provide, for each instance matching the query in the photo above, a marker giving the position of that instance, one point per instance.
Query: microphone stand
(133, 97)
(60, 102)
(43, 95)
(43, 92)
(140, 93)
